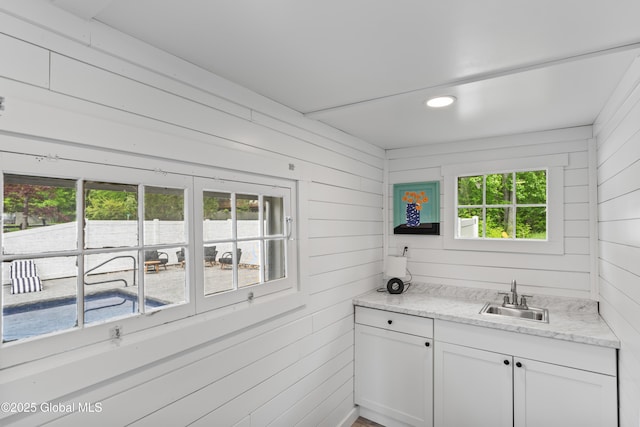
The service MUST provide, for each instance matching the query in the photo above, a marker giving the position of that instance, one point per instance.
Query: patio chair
(210, 254)
(24, 277)
(154, 255)
(227, 260)
(181, 257)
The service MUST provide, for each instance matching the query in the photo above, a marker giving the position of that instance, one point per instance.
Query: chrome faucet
(511, 298)
(514, 292)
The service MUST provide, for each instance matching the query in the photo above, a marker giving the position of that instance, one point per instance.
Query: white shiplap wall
(567, 274)
(618, 152)
(82, 91)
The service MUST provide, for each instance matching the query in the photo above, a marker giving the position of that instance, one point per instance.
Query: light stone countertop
(569, 319)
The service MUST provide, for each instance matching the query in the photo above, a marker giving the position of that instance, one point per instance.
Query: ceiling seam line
(479, 77)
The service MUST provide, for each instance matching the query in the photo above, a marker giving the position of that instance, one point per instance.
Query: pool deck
(167, 285)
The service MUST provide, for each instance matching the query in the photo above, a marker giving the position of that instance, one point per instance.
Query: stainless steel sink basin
(529, 313)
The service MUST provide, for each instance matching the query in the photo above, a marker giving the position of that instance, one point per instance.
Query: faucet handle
(523, 300)
(505, 298)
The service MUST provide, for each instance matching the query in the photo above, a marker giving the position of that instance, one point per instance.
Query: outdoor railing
(133, 270)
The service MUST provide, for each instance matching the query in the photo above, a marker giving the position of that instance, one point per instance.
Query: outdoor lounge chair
(210, 254)
(24, 277)
(227, 260)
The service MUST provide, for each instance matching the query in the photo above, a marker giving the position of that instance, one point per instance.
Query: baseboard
(351, 417)
(380, 418)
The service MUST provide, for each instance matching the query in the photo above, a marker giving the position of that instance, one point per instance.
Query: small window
(506, 205)
(245, 236)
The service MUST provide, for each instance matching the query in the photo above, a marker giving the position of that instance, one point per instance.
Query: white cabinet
(394, 367)
(528, 381)
(472, 387)
(545, 394)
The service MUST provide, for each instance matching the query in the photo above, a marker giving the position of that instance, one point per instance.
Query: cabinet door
(553, 395)
(394, 374)
(472, 388)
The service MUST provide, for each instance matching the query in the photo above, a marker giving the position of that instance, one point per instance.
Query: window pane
(218, 273)
(275, 260)
(247, 215)
(165, 277)
(531, 187)
(248, 263)
(531, 223)
(33, 313)
(112, 212)
(217, 216)
(39, 215)
(164, 216)
(470, 190)
(273, 216)
(469, 223)
(500, 189)
(499, 223)
(110, 286)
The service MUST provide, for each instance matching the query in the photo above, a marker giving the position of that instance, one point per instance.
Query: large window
(103, 251)
(506, 205)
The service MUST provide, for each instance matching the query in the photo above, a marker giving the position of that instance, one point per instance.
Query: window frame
(79, 171)
(277, 299)
(554, 165)
(270, 187)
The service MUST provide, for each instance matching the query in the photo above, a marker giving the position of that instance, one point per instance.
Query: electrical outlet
(402, 249)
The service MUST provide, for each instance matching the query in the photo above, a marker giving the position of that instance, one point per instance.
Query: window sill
(498, 245)
(202, 328)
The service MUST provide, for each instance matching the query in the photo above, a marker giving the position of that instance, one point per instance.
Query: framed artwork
(416, 208)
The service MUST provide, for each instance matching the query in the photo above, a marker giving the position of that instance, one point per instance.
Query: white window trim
(554, 244)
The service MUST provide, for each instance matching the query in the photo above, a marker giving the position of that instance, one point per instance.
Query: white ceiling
(367, 66)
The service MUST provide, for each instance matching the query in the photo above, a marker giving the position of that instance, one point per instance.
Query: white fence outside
(103, 234)
(468, 227)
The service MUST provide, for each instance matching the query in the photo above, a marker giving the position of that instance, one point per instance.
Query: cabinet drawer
(414, 325)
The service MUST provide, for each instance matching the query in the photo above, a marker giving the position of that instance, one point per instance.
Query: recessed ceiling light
(440, 101)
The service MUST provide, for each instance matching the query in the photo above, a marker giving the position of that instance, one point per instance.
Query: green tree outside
(493, 190)
(111, 205)
(48, 203)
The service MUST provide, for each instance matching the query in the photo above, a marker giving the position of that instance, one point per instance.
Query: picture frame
(416, 208)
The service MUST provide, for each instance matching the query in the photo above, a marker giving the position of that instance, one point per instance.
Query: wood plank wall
(568, 274)
(618, 154)
(78, 87)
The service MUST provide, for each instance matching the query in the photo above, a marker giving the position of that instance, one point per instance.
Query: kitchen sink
(529, 313)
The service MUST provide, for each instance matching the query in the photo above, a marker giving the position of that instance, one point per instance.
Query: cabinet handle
(389, 321)
(506, 362)
(519, 365)
(427, 343)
